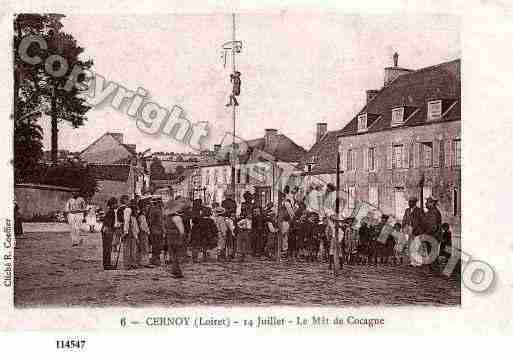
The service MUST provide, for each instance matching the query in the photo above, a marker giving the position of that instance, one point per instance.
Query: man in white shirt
(75, 208)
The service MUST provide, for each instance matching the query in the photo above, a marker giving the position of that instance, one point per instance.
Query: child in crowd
(208, 231)
(222, 232)
(350, 241)
(401, 244)
(272, 240)
(143, 258)
(244, 237)
(313, 236)
(446, 242)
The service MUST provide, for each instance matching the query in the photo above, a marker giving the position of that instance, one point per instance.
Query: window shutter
(365, 155)
(436, 153)
(343, 160)
(390, 153)
(416, 155)
(448, 153)
(406, 155)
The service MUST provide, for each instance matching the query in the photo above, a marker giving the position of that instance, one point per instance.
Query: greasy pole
(334, 244)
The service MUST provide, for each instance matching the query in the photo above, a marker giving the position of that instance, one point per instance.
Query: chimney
(270, 134)
(370, 94)
(118, 136)
(391, 73)
(321, 129)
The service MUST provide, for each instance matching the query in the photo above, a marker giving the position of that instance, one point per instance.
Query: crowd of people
(148, 232)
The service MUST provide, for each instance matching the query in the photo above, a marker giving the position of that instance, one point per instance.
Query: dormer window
(434, 110)
(362, 122)
(397, 116)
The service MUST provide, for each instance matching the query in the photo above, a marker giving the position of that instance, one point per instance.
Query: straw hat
(219, 210)
(431, 200)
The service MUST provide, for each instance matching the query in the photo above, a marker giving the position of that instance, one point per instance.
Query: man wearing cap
(413, 217)
(229, 204)
(432, 221)
(412, 225)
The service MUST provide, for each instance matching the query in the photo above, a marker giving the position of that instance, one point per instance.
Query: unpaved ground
(48, 272)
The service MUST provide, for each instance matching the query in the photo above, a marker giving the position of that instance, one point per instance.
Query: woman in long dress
(75, 208)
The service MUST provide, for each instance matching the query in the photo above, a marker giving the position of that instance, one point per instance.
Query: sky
(298, 69)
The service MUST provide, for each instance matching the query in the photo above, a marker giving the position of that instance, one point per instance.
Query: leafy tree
(28, 148)
(34, 86)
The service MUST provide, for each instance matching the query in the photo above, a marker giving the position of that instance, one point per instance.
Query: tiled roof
(282, 148)
(130, 150)
(110, 172)
(413, 91)
(323, 154)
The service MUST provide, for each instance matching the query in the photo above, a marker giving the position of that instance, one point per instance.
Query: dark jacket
(110, 218)
(433, 222)
(414, 218)
(155, 220)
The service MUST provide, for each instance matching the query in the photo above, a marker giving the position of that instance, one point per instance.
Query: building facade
(405, 142)
(264, 167)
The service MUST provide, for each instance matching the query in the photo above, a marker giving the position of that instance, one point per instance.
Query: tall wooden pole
(233, 113)
(336, 262)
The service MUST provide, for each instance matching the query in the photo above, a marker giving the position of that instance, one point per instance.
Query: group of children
(139, 225)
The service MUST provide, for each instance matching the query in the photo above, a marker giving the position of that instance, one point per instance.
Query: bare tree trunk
(55, 130)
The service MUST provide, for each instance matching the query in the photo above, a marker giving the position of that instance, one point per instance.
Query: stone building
(116, 166)
(406, 141)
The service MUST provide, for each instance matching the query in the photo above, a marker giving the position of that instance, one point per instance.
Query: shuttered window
(371, 158)
(397, 116)
(434, 111)
(447, 152)
(456, 145)
(436, 153)
(427, 154)
(351, 194)
(397, 156)
(351, 160)
(374, 196)
(406, 155)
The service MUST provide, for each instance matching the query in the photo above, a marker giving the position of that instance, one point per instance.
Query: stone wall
(40, 200)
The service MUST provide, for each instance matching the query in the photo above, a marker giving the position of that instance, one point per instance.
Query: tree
(34, 86)
(28, 149)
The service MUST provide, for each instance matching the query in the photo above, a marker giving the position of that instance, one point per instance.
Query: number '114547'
(71, 344)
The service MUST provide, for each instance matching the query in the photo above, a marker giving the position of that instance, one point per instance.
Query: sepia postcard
(335, 170)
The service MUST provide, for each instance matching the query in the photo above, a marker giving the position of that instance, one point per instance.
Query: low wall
(37, 199)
